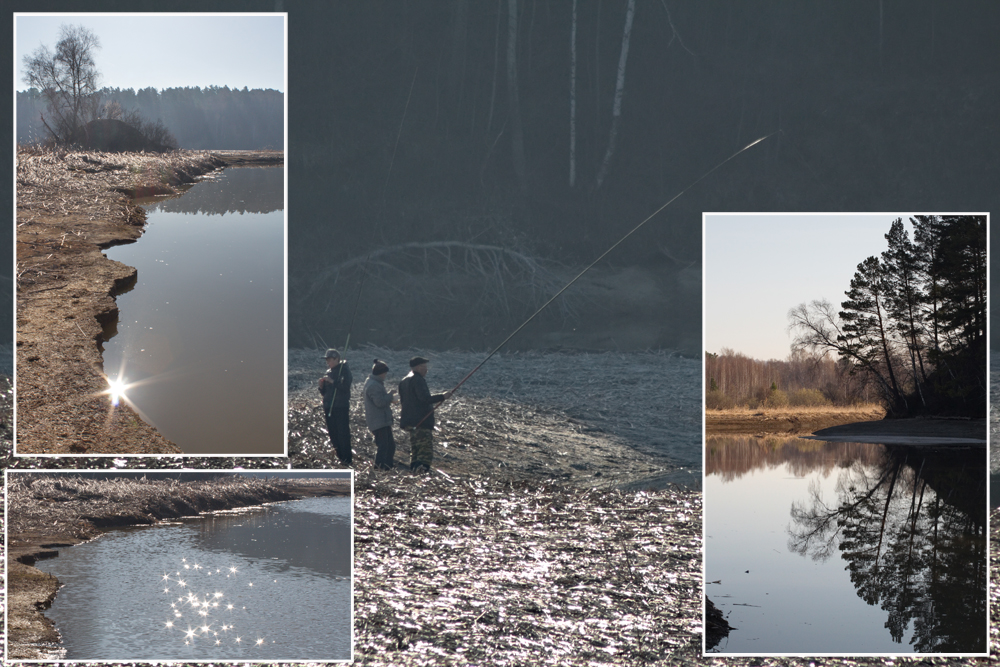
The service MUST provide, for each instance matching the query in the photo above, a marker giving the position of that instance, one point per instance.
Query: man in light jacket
(378, 415)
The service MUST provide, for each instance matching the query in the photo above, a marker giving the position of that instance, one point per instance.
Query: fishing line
(603, 255)
(371, 245)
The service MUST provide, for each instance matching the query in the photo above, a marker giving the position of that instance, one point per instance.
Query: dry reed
(57, 181)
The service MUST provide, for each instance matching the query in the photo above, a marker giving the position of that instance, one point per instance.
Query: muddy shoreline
(47, 517)
(847, 424)
(71, 205)
(939, 431)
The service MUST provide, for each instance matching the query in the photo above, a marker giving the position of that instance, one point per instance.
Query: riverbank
(585, 419)
(47, 512)
(71, 205)
(909, 431)
(790, 421)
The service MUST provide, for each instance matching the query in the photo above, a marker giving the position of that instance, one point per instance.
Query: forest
(550, 129)
(734, 380)
(212, 118)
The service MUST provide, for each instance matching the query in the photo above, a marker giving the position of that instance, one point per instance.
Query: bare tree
(819, 329)
(68, 81)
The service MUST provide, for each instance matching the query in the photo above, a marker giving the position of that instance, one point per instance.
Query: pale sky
(168, 50)
(760, 266)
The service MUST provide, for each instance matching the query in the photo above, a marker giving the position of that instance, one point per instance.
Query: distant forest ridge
(212, 118)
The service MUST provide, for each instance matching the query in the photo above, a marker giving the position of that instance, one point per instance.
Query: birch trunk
(517, 133)
(572, 101)
(619, 92)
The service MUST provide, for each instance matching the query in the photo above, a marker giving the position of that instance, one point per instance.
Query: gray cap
(331, 353)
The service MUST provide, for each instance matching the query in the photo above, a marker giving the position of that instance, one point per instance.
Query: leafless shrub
(488, 283)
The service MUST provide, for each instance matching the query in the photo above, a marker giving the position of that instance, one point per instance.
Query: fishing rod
(371, 245)
(592, 264)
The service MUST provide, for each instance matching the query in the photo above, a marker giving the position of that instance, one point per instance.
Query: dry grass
(867, 408)
(472, 571)
(39, 501)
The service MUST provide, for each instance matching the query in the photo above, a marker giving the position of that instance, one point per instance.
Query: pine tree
(904, 296)
(865, 336)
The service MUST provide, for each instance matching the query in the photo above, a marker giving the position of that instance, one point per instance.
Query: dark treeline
(803, 380)
(914, 321)
(213, 118)
(422, 121)
(480, 96)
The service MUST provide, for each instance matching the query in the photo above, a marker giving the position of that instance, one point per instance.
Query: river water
(822, 547)
(261, 584)
(200, 337)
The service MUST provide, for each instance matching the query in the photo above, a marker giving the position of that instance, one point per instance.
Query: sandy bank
(71, 206)
(47, 513)
(783, 421)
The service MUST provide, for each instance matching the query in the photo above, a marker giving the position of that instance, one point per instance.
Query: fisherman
(335, 387)
(378, 415)
(417, 414)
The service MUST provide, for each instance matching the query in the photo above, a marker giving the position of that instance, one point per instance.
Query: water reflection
(895, 538)
(200, 339)
(235, 190)
(291, 539)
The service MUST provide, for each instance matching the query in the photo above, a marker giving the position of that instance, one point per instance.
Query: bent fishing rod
(375, 228)
(595, 262)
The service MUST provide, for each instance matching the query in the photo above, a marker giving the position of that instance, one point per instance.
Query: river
(200, 337)
(260, 584)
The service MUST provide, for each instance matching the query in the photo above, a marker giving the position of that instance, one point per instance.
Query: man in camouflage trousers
(417, 413)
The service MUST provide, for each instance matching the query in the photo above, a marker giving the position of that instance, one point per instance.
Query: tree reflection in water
(912, 531)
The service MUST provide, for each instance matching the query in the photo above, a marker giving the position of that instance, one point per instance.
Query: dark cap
(331, 353)
(416, 361)
(379, 368)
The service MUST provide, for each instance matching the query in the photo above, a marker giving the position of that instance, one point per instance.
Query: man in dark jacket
(417, 413)
(335, 387)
